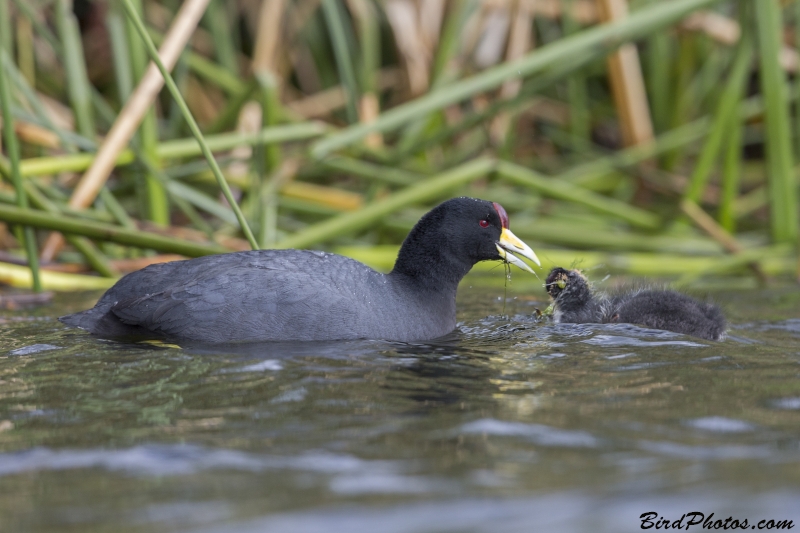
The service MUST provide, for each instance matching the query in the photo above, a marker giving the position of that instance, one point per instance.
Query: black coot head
(459, 233)
(470, 228)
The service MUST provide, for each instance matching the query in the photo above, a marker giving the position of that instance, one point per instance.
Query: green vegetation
(336, 123)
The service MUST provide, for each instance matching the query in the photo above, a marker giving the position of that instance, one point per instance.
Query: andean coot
(574, 302)
(269, 295)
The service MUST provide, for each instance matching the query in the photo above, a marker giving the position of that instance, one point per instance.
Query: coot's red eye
(484, 223)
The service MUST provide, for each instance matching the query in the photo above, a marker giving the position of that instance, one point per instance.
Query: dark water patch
(510, 421)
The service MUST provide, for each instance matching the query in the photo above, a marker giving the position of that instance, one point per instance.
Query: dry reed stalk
(719, 27)
(302, 61)
(190, 236)
(130, 116)
(299, 55)
(368, 110)
(67, 268)
(249, 121)
(268, 37)
(369, 105)
(431, 15)
(337, 198)
(471, 34)
(583, 11)
(7, 240)
(520, 41)
(705, 222)
(203, 105)
(323, 103)
(494, 35)
(790, 60)
(119, 265)
(627, 82)
(727, 31)
(138, 263)
(404, 19)
(262, 206)
(672, 184)
(60, 115)
(301, 11)
(547, 109)
(319, 105)
(34, 134)
(285, 173)
(159, 16)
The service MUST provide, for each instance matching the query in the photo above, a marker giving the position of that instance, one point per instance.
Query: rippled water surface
(509, 425)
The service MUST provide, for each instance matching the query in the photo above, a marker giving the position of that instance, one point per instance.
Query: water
(509, 425)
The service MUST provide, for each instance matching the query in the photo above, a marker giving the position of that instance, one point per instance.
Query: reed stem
(725, 115)
(12, 148)
(342, 52)
(432, 188)
(106, 232)
(782, 187)
(606, 37)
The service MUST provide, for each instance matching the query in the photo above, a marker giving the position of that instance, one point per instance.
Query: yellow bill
(509, 244)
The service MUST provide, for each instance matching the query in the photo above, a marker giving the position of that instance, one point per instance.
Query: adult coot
(271, 295)
(574, 302)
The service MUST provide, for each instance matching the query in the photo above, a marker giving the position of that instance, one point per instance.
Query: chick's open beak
(509, 244)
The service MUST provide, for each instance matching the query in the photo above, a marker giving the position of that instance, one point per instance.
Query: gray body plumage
(669, 310)
(286, 295)
(269, 295)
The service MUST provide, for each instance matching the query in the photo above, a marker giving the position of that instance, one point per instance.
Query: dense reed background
(656, 137)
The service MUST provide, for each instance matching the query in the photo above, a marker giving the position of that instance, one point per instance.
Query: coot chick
(574, 302)
(279, 295)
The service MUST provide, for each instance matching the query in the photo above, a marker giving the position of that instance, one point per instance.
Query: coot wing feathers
(261, 297)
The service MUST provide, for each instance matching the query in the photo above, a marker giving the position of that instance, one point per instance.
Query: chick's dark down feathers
(575, 302)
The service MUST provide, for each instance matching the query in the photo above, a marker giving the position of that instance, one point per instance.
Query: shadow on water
(509, 424)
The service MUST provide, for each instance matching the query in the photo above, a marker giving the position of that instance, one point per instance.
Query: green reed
(347, 153)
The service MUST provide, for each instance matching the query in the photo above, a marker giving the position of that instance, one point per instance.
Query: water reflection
(509, 419)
